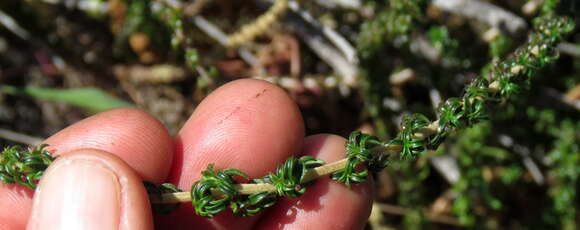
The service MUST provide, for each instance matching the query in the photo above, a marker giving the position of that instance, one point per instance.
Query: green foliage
(549, 6)
(201, 191)
(412, 192)
(457, 113)
(411, 145)
(359, 149)
(173, 19)
(447, 46)
(288, 180)
(441, 39)
(564, 160)
(499, 47)
(24, 167)
(472, 189)
(192, 58)
(92, 100)
(289, 177)
(253, 204)
(393, 23)
(530, 58)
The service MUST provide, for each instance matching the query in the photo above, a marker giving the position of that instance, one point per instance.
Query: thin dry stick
(215, 33)
(19, 137)
(12, 25)
(484, 12)
(569, 48)
(258, 27)
(326, 43)
(337, 40)
(318, 42)
(347, 4)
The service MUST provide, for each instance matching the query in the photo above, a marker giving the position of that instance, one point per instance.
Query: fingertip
(135, 136)
(246, 124)
(250, 125)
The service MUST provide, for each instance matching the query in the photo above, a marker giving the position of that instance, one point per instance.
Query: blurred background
(348, 64)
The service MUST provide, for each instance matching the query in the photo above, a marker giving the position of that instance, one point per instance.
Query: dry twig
(484, 12)
(19, 137)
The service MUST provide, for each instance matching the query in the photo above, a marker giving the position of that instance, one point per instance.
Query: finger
(7, 224)
(250, 125)
(326, 204)
(90, 189)
(134, 136)
(15, 204)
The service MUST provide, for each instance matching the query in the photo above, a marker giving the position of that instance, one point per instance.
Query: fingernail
(77, 194)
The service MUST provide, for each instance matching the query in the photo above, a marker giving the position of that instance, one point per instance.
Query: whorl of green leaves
(24, 167)
(201, 191)
(411, 145)
(289, 176)
(253, 204)
(359, 150)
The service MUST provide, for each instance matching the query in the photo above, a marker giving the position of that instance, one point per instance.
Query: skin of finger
(135, 213)
(326, 204)
(15, 205)
(134, 136)
(250, 125)
(7, 224)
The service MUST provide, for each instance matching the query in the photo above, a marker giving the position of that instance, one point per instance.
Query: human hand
(250, 125)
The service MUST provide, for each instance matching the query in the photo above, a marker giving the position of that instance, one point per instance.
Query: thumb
(90, 189)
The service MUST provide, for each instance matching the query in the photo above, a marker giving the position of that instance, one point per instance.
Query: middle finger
(249, 125)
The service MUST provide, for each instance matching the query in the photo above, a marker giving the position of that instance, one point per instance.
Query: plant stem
(247, 189)
(327, 169)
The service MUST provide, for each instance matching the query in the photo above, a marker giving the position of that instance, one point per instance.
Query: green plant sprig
(219, 190)
(366, 152)
(24, 167)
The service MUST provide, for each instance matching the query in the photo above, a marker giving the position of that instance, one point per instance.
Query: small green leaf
(92, 100)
